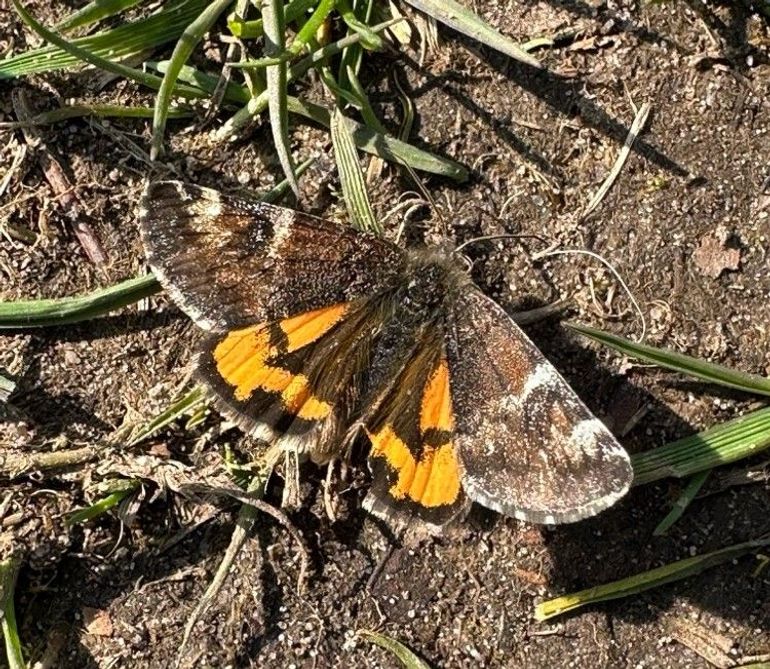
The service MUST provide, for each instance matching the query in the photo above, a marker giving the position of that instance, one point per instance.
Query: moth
(316, 332)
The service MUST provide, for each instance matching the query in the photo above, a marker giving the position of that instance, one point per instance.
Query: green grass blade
(678, 362)
(681, 504)
(95, 11)
(98, 110)
(277, 82)
(464, 21)
(79, 53)
(384, 146)
(109, 45)
(734, 440)
(254, 29)
(185, 405)
(9, 570)
(352, 177)
(369, 38)
(403, 654)
(189, 39)
(39, 313)
(646, 580)
(103, 505)
(311, 26)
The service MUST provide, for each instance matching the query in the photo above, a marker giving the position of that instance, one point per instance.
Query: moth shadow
(620, 542)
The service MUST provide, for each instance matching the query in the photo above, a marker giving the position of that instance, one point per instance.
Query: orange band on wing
(431, 482)
(436, 407)
(306, 328)
(243, 360)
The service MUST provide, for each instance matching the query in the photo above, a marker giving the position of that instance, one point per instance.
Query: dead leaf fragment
(97, 622)
(714, 256)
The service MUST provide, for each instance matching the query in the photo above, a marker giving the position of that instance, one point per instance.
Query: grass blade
(396, 648)
(39, 313)
(678, 362)
(78, 53)
(184, 47)
(9, 570)
(95, 11)
(103, 505)
(734, 440)
(277, 82)
(116, 44)
(352, 177)
(187, 404)
(99, 110)
(466, 22)
(681, 504)
(384, 146)
(254, 29)
(646, 580)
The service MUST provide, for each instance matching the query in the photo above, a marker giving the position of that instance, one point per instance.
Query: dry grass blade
(407, 658)
(352, 177)
(184, 47)
(99, 110)
(7, 386)
(646, 580)
(636, 128)
(246, 518)
(466, 22)
(9, 570)
(13, 464)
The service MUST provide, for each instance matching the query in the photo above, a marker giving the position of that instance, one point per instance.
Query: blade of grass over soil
(95, 11)
(646, 580)
(40, 313)
(678, 362)
(352, 177)
(464, 21)
(253, 29)
(395, 648)
(189, 39)
(244, 524)
(116, 44)
(9, 570)
(187, 404)
(734, 440)
(681, 504)
(277, 81)
(99, 110)
(103, 505)
(79, 53)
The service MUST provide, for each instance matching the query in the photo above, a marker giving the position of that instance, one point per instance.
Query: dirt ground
(687, 225)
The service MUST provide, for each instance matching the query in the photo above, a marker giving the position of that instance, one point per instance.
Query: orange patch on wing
(306, 328)
(432, 481)
(243, 359)
(436, 407)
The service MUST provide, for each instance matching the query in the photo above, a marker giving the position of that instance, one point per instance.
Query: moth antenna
(609, 266)
(555, 252)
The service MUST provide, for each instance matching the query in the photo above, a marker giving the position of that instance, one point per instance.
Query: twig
(54, 174)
